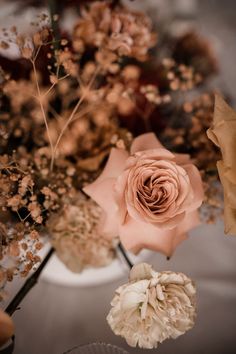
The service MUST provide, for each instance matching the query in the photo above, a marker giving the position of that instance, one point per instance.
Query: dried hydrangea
(118, 30)
(152, 307)
(75, 237)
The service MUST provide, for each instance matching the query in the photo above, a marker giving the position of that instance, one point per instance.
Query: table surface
(53, 319)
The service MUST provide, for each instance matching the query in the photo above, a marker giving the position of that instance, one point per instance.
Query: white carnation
(152, 307)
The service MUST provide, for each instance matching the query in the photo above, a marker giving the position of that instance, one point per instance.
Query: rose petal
(182, 159)
(145, 142)
(102, 189)
(109, 225)
(102, 193)
(195, 197)
(119, 195)
(136, 235)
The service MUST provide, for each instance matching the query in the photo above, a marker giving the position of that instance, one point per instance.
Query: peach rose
(150, 197)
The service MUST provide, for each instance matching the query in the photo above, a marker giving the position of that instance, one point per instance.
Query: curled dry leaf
(223, 134)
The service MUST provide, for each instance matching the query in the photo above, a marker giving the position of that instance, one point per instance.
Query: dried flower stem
(54, 84)
(53, 9)
(28, 285)
(124, 254)
(71, 117)
(41, 105)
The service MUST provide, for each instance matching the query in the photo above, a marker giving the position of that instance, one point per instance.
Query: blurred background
(53, 318)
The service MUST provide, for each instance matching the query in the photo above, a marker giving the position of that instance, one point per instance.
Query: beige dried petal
(140, 271)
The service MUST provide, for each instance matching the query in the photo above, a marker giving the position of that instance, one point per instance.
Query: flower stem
(124, 254)
(53, 10)
(71, 117)
(39, 97)
(28, 285)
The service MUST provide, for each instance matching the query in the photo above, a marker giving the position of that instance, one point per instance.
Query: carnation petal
(131, 299)
(140, 271)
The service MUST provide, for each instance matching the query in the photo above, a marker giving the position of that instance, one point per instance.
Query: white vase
(56, 272)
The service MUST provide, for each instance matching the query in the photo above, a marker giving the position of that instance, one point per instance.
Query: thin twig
(28, 285)
(53, 9)
(41, 105)
(54, 84)
(37, 53)
(81, 99)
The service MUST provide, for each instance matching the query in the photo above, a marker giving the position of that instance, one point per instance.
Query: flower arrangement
(103, 143)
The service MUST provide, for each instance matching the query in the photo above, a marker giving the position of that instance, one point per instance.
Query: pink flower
(150, 197)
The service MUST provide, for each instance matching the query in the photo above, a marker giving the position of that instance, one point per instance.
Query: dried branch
(28, 285)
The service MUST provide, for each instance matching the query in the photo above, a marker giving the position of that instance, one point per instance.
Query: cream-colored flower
(75, 237)
(152, 307)
(223, 134)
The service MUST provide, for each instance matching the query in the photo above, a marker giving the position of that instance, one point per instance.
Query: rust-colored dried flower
(117, 29)
(194, 50)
